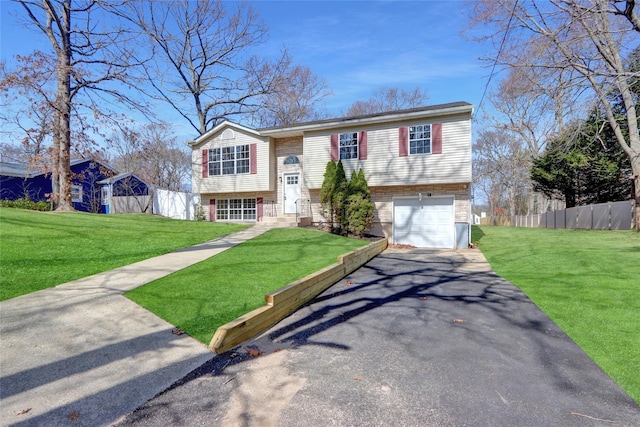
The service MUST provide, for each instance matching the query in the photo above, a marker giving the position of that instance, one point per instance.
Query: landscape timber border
(287, 299)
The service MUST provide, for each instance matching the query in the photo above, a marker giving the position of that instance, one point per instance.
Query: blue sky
(356, 46)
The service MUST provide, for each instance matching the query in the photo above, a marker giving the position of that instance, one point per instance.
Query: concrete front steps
(288, 220)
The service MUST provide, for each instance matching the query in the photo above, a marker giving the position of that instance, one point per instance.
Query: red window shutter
(362, 145)
(212, 210)
(334, 147)
(205, 163)
(436, 138)
(253, 159)
(403, 141)
(259, 209)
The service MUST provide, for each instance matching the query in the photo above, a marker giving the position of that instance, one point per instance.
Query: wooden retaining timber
(285, 300)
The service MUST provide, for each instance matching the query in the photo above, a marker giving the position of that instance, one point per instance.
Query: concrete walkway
(83, 354)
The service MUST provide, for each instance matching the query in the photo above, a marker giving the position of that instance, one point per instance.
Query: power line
(495, 62)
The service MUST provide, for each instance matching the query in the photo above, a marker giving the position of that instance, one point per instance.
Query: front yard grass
(203, 297)
(586, 281)
(39, 250)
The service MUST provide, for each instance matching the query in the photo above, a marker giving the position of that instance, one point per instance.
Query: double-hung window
(348, 145)
(229, 160)
(215, 161)
(420, 139)
(242, 159)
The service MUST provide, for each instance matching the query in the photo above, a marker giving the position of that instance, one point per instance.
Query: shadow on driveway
(416, 338)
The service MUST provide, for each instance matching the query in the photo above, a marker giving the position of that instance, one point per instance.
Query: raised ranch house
(417, 163)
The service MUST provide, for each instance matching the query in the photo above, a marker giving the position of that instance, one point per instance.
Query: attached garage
(427, 222)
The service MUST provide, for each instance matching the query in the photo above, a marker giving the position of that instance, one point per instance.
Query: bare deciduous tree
(589, 37)
(153, 154)
(388, 99)
(296, 99)
(85, 58)
(501, 171)
(27, 109)
(202, 64)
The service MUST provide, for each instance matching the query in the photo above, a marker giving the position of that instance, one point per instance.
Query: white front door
(291, 182)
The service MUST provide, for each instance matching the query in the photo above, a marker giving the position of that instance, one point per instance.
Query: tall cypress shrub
(341, 187)
(359, 211)
(326, 191)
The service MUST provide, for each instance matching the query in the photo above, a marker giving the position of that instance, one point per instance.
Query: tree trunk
(570, 198)
(62, 167)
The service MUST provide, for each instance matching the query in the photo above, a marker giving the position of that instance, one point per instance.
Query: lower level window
(236, 209)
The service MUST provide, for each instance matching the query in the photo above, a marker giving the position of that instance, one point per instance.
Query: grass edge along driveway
(586, 281)
(39, 250)
(205, 296)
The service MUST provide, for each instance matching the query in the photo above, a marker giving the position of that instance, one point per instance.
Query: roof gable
(220, 129)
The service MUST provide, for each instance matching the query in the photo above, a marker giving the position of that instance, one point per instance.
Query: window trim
(78, 198)
(411, 130)
(230, 210)
(354, 143)
(105, 195)
(221, 159)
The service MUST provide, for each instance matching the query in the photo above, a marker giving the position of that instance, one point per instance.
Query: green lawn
(207, 295)
(39, 250)
(588, 282)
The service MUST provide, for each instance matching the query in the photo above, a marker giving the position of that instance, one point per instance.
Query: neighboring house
(417, 163)
(90, 180)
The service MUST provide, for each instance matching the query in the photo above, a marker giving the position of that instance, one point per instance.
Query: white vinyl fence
(602, 216)
(176, 205)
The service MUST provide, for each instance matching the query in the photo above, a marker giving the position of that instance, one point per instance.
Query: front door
(291, 192)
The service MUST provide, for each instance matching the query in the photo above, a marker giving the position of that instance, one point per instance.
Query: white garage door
(426, 223)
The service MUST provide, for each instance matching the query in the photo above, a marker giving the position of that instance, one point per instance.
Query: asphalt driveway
(414, 338)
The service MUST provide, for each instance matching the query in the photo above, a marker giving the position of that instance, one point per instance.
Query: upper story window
(420, 139)
(348, 146)
(229, 160)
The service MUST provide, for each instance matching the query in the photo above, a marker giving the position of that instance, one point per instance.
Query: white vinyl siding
(242, 181)
(384, 166)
